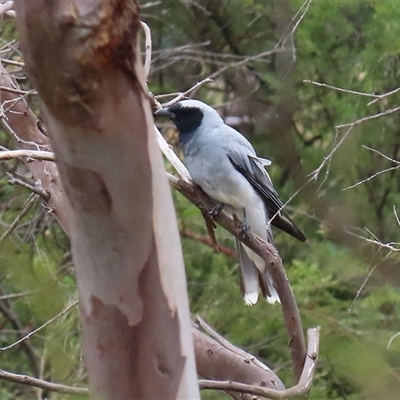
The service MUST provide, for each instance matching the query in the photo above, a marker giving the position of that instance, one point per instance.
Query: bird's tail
(267, 289)
(252, 278)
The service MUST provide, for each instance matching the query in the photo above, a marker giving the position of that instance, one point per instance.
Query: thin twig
(148, 44)
(36, 188)
(53, 387)
(361, 288)
(29, 203)
(246, 61)
(209, 242)
(376, 97)
(16, 137)
(371, 177)
(389, 246)
(12, 62)
(305, 6)
(391, 339)
(12, 296)
(382, 96)
(18, 91)
(26, 337)
(338, 89)
(396, 215)
(10, 315)
(315, 173)
(381, 154)
(181, 96)
(369, 118)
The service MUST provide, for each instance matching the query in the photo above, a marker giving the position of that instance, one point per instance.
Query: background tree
(345, 278)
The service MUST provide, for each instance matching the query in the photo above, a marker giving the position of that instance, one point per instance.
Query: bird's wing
(252, 168)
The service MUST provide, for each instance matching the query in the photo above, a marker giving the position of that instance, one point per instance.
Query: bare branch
(389, 246)
(148, 44)
(315, 173)
(391, 339)
(270, 255)
(338, 89)
(246, 61)
(229, 346)
(12, 296)
(382, 96)
(18, 91)
(376, 97)
(181, 96)
(53, 387)
(371, 177)
(396, 215)
(33, 154)
(215, 361)
(381, 154)
(301, 389)
(369, 118)
(36, 188)
(209, 242)
(26, 337)
(305, 6)
(12, 62)
(13, 318)
(29, 203)
(23, 126)
(362, 287)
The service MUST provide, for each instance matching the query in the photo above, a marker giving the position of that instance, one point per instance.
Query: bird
(225, 165)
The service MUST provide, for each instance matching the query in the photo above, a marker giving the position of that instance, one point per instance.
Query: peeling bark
(82, 58)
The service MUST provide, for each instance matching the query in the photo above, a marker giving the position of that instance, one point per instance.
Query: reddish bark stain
(88, 192)
(97, 306)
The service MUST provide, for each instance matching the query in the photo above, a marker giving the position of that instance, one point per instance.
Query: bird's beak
(164, 112)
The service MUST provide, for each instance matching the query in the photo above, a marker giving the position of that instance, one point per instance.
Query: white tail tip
(251, 298)
(273, 299)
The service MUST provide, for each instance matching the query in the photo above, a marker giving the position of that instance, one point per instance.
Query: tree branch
(301, 389)
(53, 387)
(268, 252)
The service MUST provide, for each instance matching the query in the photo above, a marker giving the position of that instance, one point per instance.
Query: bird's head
(189, 115)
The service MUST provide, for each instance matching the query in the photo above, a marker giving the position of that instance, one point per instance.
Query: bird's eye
(186, 111)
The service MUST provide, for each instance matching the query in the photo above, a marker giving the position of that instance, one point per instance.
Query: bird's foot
(216, 210)
(244, 227)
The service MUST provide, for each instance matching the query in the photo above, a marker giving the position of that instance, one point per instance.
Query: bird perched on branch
(225, 165)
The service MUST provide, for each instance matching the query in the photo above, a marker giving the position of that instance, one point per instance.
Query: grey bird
(225, 165)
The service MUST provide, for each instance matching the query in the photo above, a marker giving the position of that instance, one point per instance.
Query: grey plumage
(224, 164)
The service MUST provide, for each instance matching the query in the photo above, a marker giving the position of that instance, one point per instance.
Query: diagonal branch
(53, 387)
(270, 255)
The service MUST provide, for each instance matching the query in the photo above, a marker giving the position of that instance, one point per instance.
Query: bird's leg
(244, 226)
(216, 210)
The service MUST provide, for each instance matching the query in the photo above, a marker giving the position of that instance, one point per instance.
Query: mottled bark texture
(84, 59)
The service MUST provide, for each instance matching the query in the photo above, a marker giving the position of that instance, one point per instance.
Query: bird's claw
(216, 210)
(244, 227)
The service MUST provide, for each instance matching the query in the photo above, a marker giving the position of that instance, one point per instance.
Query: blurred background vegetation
(345, 278)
